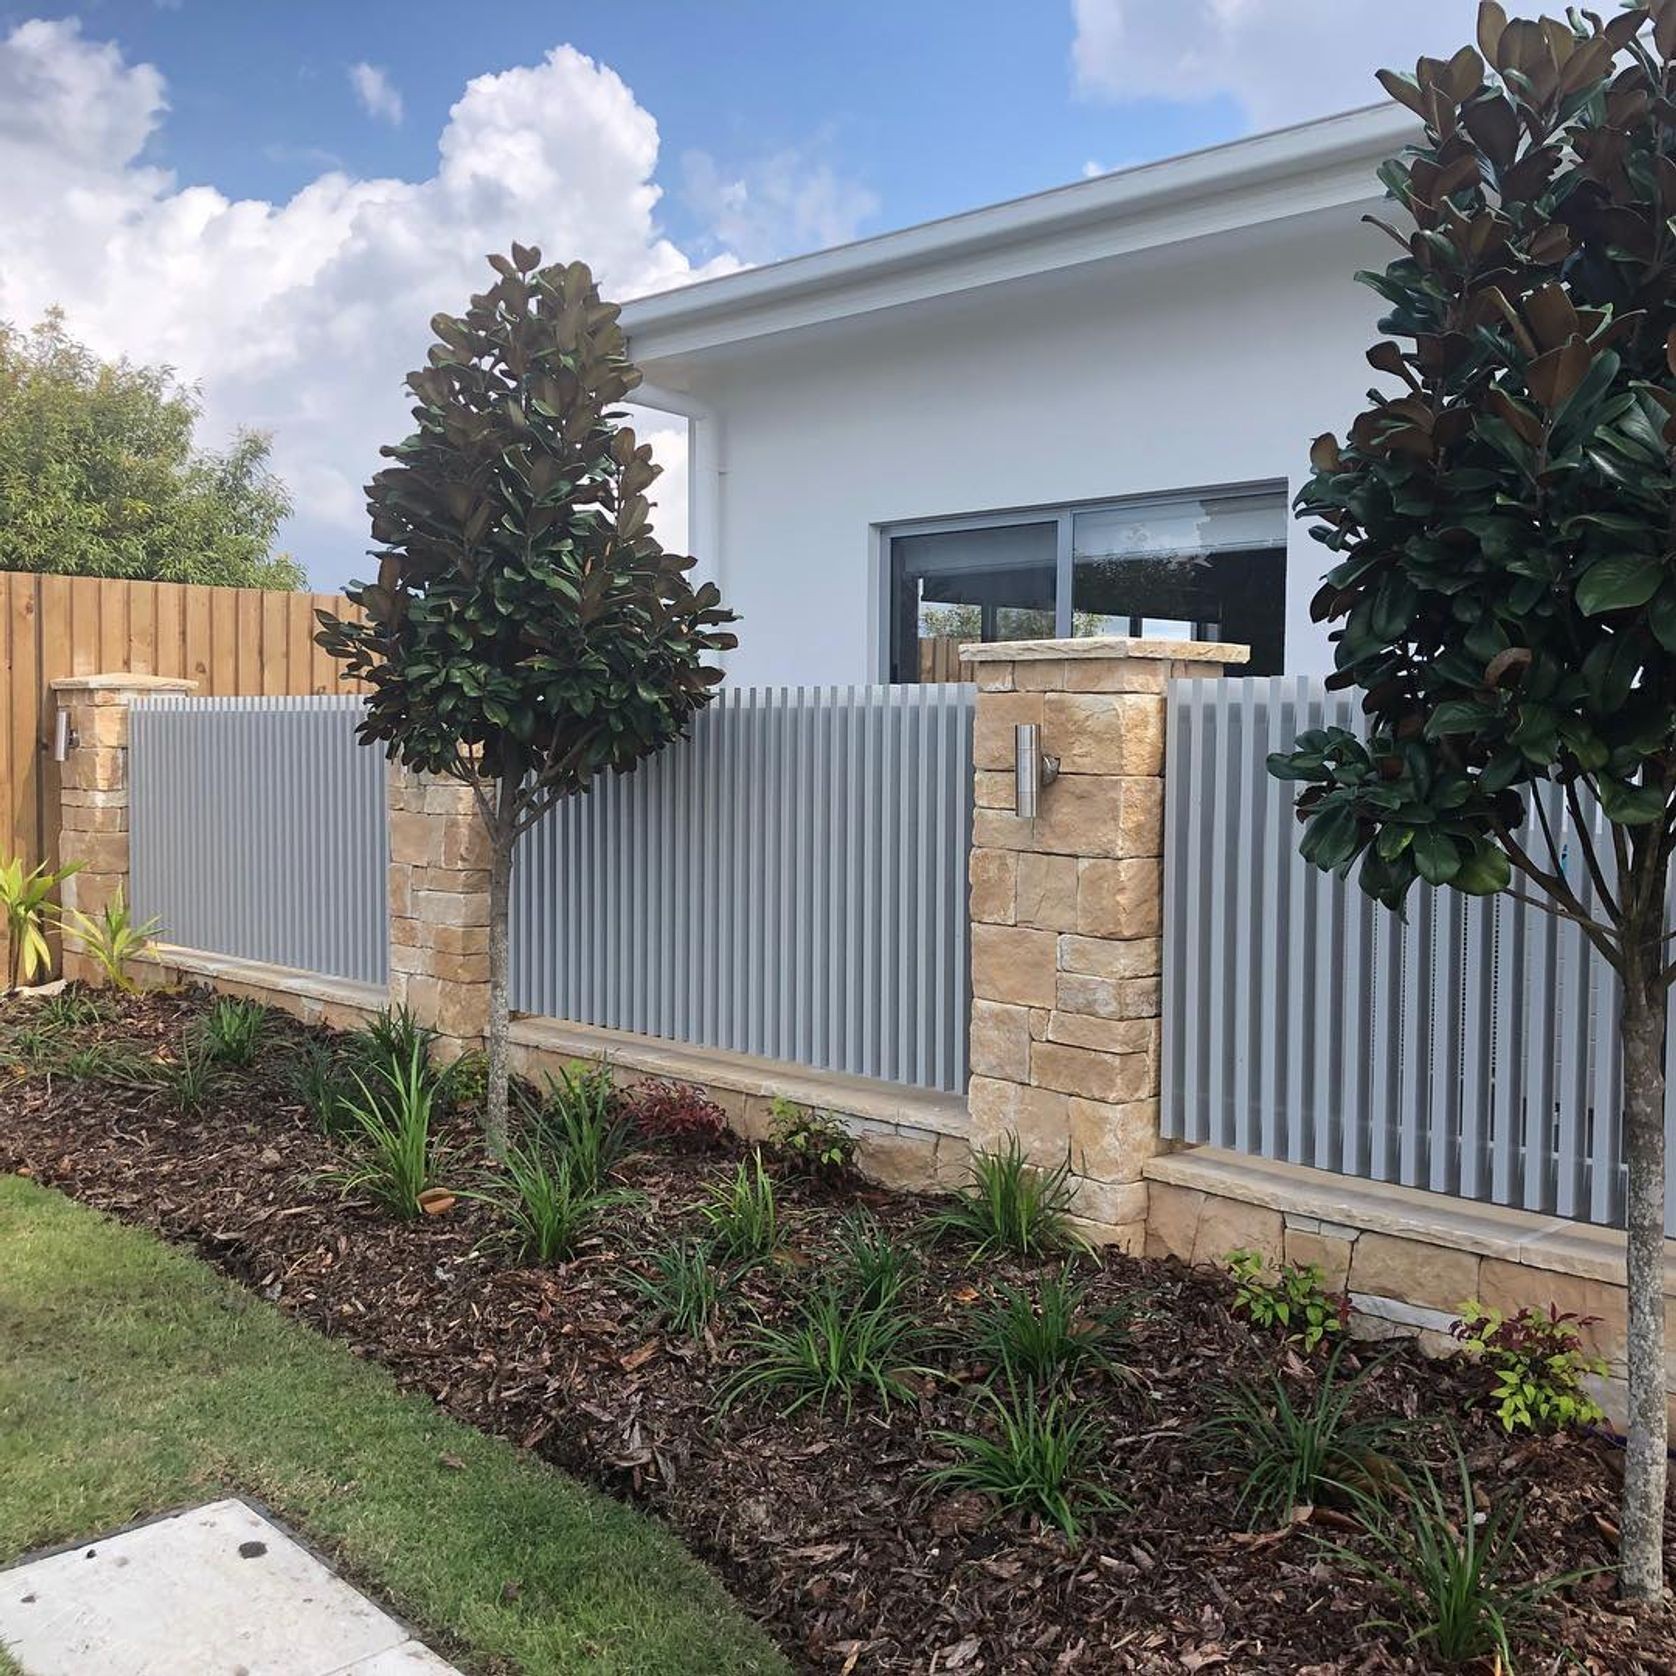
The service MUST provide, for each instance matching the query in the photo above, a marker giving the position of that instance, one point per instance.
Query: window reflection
(1207, 567)
(964, 585)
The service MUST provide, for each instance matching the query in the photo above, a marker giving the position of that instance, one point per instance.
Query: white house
(1075, 412)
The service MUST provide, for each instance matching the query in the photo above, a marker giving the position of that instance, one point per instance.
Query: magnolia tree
(526, 632)
(1504, 525)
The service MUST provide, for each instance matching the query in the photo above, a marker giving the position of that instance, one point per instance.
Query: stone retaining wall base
(1402, 1283)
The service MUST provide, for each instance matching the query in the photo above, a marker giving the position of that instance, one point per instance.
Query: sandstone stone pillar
(439, 908)
(94, 789)
(1066, 932)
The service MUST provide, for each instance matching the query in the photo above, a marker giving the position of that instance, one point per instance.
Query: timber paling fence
(790, 883)
(1469, 1049)
(259, 830)
(227, 640)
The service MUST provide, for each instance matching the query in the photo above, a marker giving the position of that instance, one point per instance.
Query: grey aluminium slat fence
(1470, 1049)
(259, 830)
(789, 883)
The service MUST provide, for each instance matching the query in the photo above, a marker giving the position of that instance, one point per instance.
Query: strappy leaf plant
(1010, 1204)
(26, 900)
(393, 1159)
(111, 939)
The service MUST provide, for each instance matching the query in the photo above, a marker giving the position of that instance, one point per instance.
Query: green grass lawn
(133, 1379)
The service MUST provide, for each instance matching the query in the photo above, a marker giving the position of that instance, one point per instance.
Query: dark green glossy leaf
(1484, 872)
(1618, 584)
(1630, 805)
(1436, 857)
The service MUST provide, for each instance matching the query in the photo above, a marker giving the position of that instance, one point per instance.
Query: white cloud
(1094, 168)
(74, 101)
(777, 206)
(1280, 60)
(303, 316)
(308, 156)
(379, 96)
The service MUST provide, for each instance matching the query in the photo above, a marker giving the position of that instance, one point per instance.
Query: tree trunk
(500, 901)
(1641, 1559)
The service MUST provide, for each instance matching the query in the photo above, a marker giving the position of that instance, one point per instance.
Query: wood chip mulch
(821, 1526)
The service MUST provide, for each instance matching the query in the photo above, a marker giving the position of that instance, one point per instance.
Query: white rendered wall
(1212, 370)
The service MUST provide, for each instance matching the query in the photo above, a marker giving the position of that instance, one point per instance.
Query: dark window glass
(1209, 567)
(964, 585)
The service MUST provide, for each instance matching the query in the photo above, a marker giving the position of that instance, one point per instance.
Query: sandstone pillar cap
(130, 683)
(1106, 646)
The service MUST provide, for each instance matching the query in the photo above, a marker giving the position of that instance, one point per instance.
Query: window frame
(1060, 513)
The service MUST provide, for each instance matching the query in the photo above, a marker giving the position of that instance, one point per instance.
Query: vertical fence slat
(1176, 1117)
(1442, 1163)
(1188, 929)
(1272, 1030)
(1215, 719)
(1476, 1044)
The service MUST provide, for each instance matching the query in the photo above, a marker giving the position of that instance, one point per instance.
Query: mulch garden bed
(822, 1525)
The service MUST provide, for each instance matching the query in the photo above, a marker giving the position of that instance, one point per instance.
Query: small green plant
(74, 1009)
(833, 1351)
(111, 939)
(1291, 1455)
(188, 1080)
(1538, 1363)
(1295, 1301)
(323, 1085)
(1447, 1569)
(32, 1048)
(873, 1267)
(813, 1143)
(39, 1044)
(27, 904)
(233, 1030)
(1042, 1457)
(1049, 1336)
(581, 1118)
(1010, 1205)
(741, 1215)
(683, 1286)
(388, 1122)
(97, 1062)
(549, 1204)
(389, 1038)
(465, 1081)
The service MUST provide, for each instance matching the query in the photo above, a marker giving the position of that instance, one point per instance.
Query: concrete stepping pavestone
(215, 1591)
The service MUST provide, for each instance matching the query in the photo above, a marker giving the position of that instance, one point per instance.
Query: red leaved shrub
(675, 1111)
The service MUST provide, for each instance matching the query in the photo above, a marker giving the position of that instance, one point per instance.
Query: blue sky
(930, 107)
(273, 196)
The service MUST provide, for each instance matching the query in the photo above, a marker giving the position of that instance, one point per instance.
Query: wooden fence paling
(939, 659)
(231, 641)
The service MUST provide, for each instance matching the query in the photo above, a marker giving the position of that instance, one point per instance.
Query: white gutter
(705, 469)
(1327, 164)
